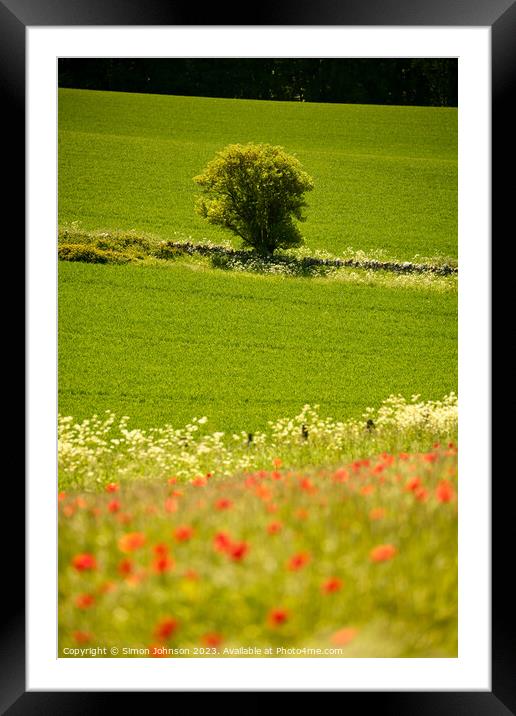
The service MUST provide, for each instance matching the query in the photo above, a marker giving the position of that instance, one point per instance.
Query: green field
(167, 343)
(385, 177)
(337, 535)
(164, 343)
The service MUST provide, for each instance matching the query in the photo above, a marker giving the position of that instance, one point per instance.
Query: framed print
(258, 276)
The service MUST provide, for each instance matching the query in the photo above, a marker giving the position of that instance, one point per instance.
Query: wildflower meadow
(355, 559)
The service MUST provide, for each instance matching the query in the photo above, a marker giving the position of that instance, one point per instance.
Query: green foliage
(255, 190)
(132, 245)
(77, 244)
(86, 253)
(221, 261)
(167, 252)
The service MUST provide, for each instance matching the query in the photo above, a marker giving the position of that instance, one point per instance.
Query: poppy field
(180, 542)
(357, 560)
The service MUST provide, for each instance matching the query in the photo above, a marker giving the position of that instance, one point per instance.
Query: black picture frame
(500, 16)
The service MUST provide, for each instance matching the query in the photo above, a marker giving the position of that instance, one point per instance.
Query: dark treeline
(420, 81)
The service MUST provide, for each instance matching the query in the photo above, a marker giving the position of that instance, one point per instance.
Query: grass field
(385, 177)
(182, 537)
(167, 343)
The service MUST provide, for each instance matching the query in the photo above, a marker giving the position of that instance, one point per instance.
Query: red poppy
(298, 561)
(84, 601)
(112, 487)
(367, 490)
(223, 504)
(333, 584)
(131, 541)
(166, 627)
(444, 491)
(61, 496)
(171, 504)
(84, 562)
(278, 616)
(277, 462)
(183, 533)
(307, 485)
(160, 549)
(191, 575)
(378, 513)
(212, 639)
(126, 567)
(162, 563)
(340, 475)
(172, 480)
(382, 553)
(82, 637)
(343, 636)
(421, 494)
(222, 542)
(238, 550)
(263, 492)
(199, 481)
(113, 506)
(413, 484)
(273, 528)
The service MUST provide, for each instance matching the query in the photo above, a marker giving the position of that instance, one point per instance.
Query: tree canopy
(255, 191)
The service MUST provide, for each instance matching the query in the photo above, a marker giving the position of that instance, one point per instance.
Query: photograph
(258, 366)
(257, 292)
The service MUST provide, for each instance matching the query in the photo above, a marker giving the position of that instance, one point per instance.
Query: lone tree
(255, 190)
